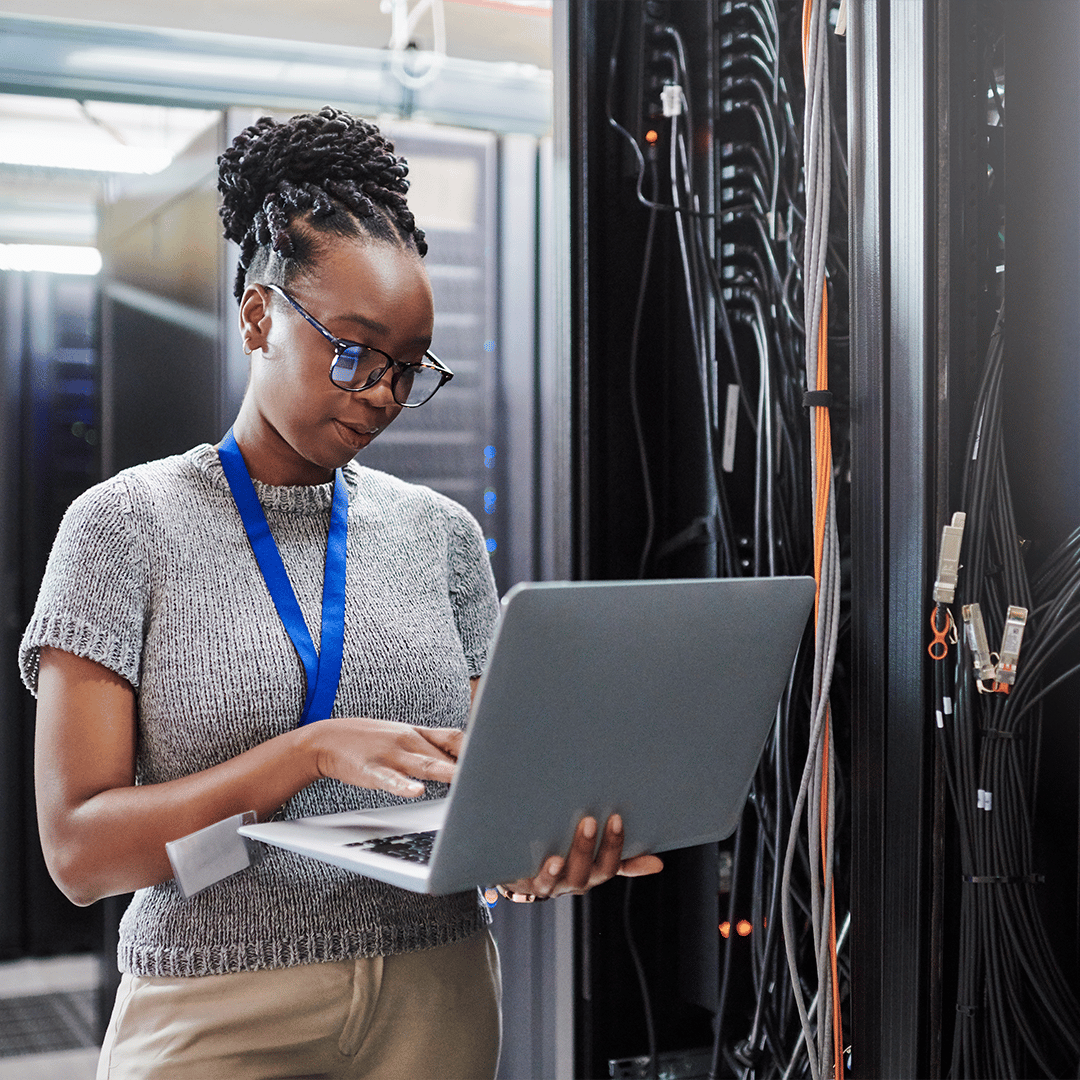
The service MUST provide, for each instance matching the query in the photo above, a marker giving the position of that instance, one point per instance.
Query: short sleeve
(94, 595)
(472, 590)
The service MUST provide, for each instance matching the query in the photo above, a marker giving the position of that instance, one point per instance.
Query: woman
(171, 694)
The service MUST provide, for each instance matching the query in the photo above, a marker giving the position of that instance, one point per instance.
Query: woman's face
(295, 426)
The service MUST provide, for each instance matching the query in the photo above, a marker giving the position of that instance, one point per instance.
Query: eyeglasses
(359, 367)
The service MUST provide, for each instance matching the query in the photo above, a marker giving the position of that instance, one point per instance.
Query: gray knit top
(152, 575)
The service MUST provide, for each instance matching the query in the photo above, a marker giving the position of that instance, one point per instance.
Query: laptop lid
(650, 698)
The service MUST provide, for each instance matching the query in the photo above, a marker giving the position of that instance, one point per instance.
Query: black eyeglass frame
(341, 345)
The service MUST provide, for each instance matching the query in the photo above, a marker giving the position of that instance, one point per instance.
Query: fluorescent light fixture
(212, 69)
(30, 223)
(52, 258)
(90, 156)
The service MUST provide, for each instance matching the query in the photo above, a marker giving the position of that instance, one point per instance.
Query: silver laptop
(650, 698)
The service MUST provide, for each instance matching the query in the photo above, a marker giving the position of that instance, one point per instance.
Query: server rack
(928, 165)
(50, 453)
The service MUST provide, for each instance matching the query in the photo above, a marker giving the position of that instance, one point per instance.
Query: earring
(247, 349)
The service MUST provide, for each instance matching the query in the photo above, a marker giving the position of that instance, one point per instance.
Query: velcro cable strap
(1005, 879)
(817, 399)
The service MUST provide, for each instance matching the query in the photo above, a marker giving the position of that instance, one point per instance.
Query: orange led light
(743, 928)
(651, 136)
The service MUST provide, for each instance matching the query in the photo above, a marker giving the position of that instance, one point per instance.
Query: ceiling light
(34, 222)
(92, 157)
(196, 70)
(52, 258)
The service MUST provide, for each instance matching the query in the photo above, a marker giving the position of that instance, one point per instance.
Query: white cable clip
(949, 559)
(1009, 654)
(841, 20)
(403, 27)
(975, 635)
(671, 98)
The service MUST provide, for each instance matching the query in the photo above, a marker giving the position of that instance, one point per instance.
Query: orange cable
(823, 455)
(807, 7)
(838, 1045)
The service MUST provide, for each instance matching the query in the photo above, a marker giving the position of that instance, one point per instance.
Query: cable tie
(671, 99)
(967, 1010)
(998, 733)
(1005, 879)
(817, 399)
(984, 800)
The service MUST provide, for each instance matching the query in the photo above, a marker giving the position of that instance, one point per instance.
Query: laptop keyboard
(413, 847)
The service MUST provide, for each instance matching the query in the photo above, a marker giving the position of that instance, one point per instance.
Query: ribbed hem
(173, 962)
(71, 635)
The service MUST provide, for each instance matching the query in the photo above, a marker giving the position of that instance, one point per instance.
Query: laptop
(650, 698)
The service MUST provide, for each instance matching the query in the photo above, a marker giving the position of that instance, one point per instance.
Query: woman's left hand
(585, 865)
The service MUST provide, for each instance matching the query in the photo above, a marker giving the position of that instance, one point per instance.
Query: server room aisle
(47, 1018)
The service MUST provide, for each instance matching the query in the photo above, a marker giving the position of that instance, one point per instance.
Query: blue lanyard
(322, 669)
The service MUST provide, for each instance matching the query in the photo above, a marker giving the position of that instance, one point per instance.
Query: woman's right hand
(382, 754)
(104, 834)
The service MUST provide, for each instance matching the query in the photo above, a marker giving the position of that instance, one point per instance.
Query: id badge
(204, 858)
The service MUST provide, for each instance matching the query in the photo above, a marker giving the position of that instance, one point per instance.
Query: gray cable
(635, 404)
(841, 939)
(681, 225)
(817, 165)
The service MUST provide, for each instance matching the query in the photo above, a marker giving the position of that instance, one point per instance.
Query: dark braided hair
(283, 184)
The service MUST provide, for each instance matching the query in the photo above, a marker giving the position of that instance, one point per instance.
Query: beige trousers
(434, 1013)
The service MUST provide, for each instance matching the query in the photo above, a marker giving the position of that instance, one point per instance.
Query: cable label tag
(731, 421)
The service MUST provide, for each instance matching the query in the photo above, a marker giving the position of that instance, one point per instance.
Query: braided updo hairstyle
(283, 184)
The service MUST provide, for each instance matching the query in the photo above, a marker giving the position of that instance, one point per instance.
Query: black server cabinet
(49, 388)
(933, 176)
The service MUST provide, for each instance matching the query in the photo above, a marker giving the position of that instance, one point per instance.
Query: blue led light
(491, 545)
(489, 346)
(489, 502)
(489, 457)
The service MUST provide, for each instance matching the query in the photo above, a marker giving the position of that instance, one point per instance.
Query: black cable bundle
(759, 244)
(1017, 1015)
(675, 193)
(743, 263)
(761, 238)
